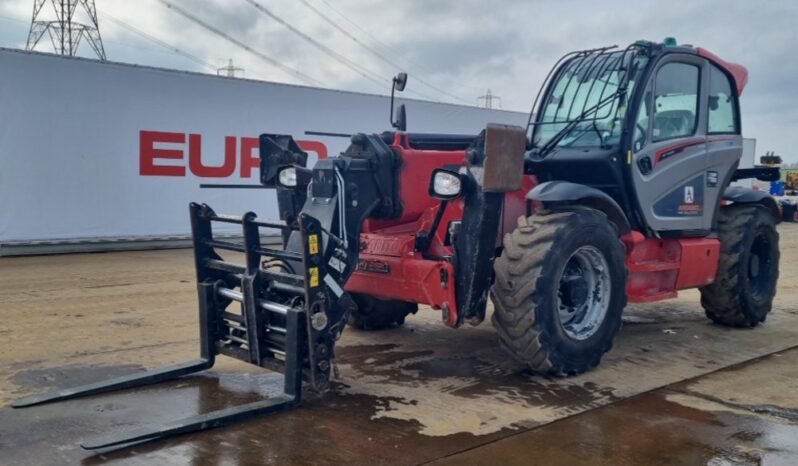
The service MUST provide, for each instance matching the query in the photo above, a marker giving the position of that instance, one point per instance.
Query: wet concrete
(410, 395)
(683, 424)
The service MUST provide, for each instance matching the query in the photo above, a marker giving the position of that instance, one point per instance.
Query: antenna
(66, 34)
(489, 97)
(229, 70)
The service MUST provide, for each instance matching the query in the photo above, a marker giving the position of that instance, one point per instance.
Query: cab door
(669, 150)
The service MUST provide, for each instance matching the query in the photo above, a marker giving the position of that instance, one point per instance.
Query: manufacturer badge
(689, 195)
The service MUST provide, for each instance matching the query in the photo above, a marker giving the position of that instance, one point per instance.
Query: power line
(338, 57)
(390, 48)
(244, 46)
(374, 52)
(14, 19)
(361, 29)
(157, 41)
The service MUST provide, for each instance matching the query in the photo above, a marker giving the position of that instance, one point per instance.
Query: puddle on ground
(659, 428)
(478, 394)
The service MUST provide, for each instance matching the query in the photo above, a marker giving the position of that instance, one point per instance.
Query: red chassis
(391, 267)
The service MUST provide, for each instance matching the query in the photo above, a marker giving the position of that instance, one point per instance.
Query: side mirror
(401, 119)
(445, 184)
(399, 81)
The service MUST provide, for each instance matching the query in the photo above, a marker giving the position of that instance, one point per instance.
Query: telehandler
(618, 190)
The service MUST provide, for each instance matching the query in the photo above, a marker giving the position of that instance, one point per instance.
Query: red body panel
(660, 267)
(389, 265)
(391, 268)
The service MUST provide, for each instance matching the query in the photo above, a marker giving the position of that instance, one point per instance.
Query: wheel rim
(583, 296)
(759, 267)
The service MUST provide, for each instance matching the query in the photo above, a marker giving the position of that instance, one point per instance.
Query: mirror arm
(390, 113)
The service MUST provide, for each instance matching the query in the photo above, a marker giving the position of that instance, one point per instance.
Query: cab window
(722, 118)
(675, 101)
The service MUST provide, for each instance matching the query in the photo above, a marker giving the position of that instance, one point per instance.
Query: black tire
(377, 314)
(742, 295)
(527, 293)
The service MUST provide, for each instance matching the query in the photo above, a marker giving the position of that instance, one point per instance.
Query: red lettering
(148, 153)
(251, 159)
(248, 160)
(195, 158)
(315, 146)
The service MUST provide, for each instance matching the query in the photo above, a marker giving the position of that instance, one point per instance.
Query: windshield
(587, 100)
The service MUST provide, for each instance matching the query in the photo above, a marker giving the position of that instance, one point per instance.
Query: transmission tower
(489, 97)
(229, 70)
(66, 34)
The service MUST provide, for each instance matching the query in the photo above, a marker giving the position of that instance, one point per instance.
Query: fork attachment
(285, 320)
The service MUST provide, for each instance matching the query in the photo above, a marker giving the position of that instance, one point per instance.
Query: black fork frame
(216, 282)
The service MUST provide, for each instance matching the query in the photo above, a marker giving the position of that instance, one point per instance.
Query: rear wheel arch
(559, 195)
(741, 196)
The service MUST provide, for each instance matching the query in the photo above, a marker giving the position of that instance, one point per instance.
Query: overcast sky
(459, 47)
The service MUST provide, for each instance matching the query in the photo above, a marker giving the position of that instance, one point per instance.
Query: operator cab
(654, 125)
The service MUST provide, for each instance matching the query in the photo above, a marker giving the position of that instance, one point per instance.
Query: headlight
(445, 184)
(287, 177)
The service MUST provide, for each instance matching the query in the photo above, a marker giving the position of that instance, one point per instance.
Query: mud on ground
(675, 389)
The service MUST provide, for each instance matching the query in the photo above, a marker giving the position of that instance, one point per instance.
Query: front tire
(560, 290)
(743, 291)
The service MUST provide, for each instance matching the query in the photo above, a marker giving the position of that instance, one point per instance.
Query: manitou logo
(164, 154)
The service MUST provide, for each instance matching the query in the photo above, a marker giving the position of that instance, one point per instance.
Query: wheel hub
(574, 291)
(584, 293)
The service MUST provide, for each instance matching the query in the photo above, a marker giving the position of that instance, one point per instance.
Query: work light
(445, 184)
(287, 177)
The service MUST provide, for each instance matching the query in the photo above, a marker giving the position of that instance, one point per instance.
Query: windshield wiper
(569, 126)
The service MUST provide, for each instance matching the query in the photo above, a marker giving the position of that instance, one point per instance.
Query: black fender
(562, 193)
(741, 195)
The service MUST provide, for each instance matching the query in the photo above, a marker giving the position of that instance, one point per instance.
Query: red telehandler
(618, 190)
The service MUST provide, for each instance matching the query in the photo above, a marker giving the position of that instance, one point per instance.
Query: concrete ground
(674, 390)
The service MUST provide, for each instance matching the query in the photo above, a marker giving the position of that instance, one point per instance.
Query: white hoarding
(92, 150)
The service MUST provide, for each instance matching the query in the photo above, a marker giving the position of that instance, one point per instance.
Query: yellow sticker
(314, 277)
(628, 157)
(313, 244)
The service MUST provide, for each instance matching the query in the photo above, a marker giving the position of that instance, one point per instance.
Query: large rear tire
(743, 291)
(560, 290)
(377, 314)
